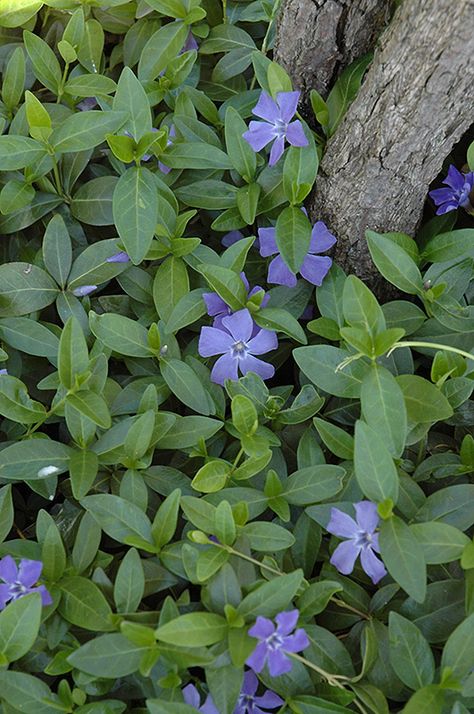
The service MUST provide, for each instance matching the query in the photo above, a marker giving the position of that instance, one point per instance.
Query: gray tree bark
(317, 39)
(416, 102)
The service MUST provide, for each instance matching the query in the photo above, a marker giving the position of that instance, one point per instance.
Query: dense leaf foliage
(231, 480)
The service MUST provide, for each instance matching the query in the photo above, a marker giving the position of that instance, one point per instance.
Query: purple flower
(460, 188)
(217, 308)
(275, 642)
(234, 341)
(248, 703)
(171, 135)
(277, 125)
(147, 157)
(231, 238)
(362, 540)
(191, 697)
(19, 581)
(4, 371)
(87, 104)
(190, 44)
(120, 257)
(84, 290)
(314, 267)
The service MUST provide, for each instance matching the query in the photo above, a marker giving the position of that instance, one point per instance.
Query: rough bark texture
(317, 39)
(416, 102)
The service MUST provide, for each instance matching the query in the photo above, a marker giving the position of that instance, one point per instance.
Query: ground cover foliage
(287, 528)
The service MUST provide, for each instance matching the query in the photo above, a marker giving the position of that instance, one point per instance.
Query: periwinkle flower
(277, 125)
(218, 309)
(361, 540)
(3, 371)
(190, 44)
(20, 581)
(276, 642)
(234, 341)
(84, 290)
(460, 187)
(191, 697)
(231, 237)
(248, 703)
(87, 104)
(314, 267)
(120, 257)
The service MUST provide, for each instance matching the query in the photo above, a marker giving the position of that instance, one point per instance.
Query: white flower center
(239, 349)
(280, 127)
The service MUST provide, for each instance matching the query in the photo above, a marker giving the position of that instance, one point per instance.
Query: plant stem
(430, 345)
(341, 603)
(331, 679)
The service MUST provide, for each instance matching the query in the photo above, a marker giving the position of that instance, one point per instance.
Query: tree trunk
(414, 105)
(317, 39)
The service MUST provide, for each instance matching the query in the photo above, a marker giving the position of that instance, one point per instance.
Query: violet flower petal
(280, 274)
(29, 572)
(262, 628)
(366, 516)
(191, 696)
(344, 557)
(278, 663)
(297, 642)
(374, 567)
(321, 238)
(269, 700)
(264, 341)
(286, 621)
(213, 342)
(287, 103)
(266, 108)
(250, 683)
(252, 364)
(5, 595)
(267, 241)
(295, 134)
(258, 657)
(239, 324)
(231, 238)
(259, 134)
(226, 367)
(8, 569)
(341, 525)
(276, 150)
(455, 178)
(315, 268)
(214, 304)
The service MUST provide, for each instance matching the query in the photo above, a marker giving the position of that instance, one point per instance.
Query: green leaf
(210, 562)
(319, 107)
(57, 250)
(394, 263)
(451, 505)
(112, 655)
(226, 283)
(212, 476)
(163, 46)
(129, 583)
(441, 543)
(130, 97)
(19, 626)
(299, 171)
(360, 306)
(344, 91)
(166, 519)
(195, 155)
(85, 130)
(16, 152)
(187, 310)
(92, 406)
(313, 484)
(428, 700)
(122, 334)
(83, 604)
(272, 318)
(268, 537)
(240, 152)
(119, 518)
(83, 469)
(15, 195)
(410, 654)
(27, 460)
(92, 203)
(403, 557)
(424, 401)
(293, 235)
(375, 470)
(14, 73)
(195, 629)
(45, 64)
(319, 363)
(170, 285)
(6, 511)
(458, 653)
(73, 356)
(135, 211)
(210, 194)
(383, 408)
(24, 288)
(449, 246)
(16, 404)
(186, 385)
(338, 441)
(25, 691)
(90, 85)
